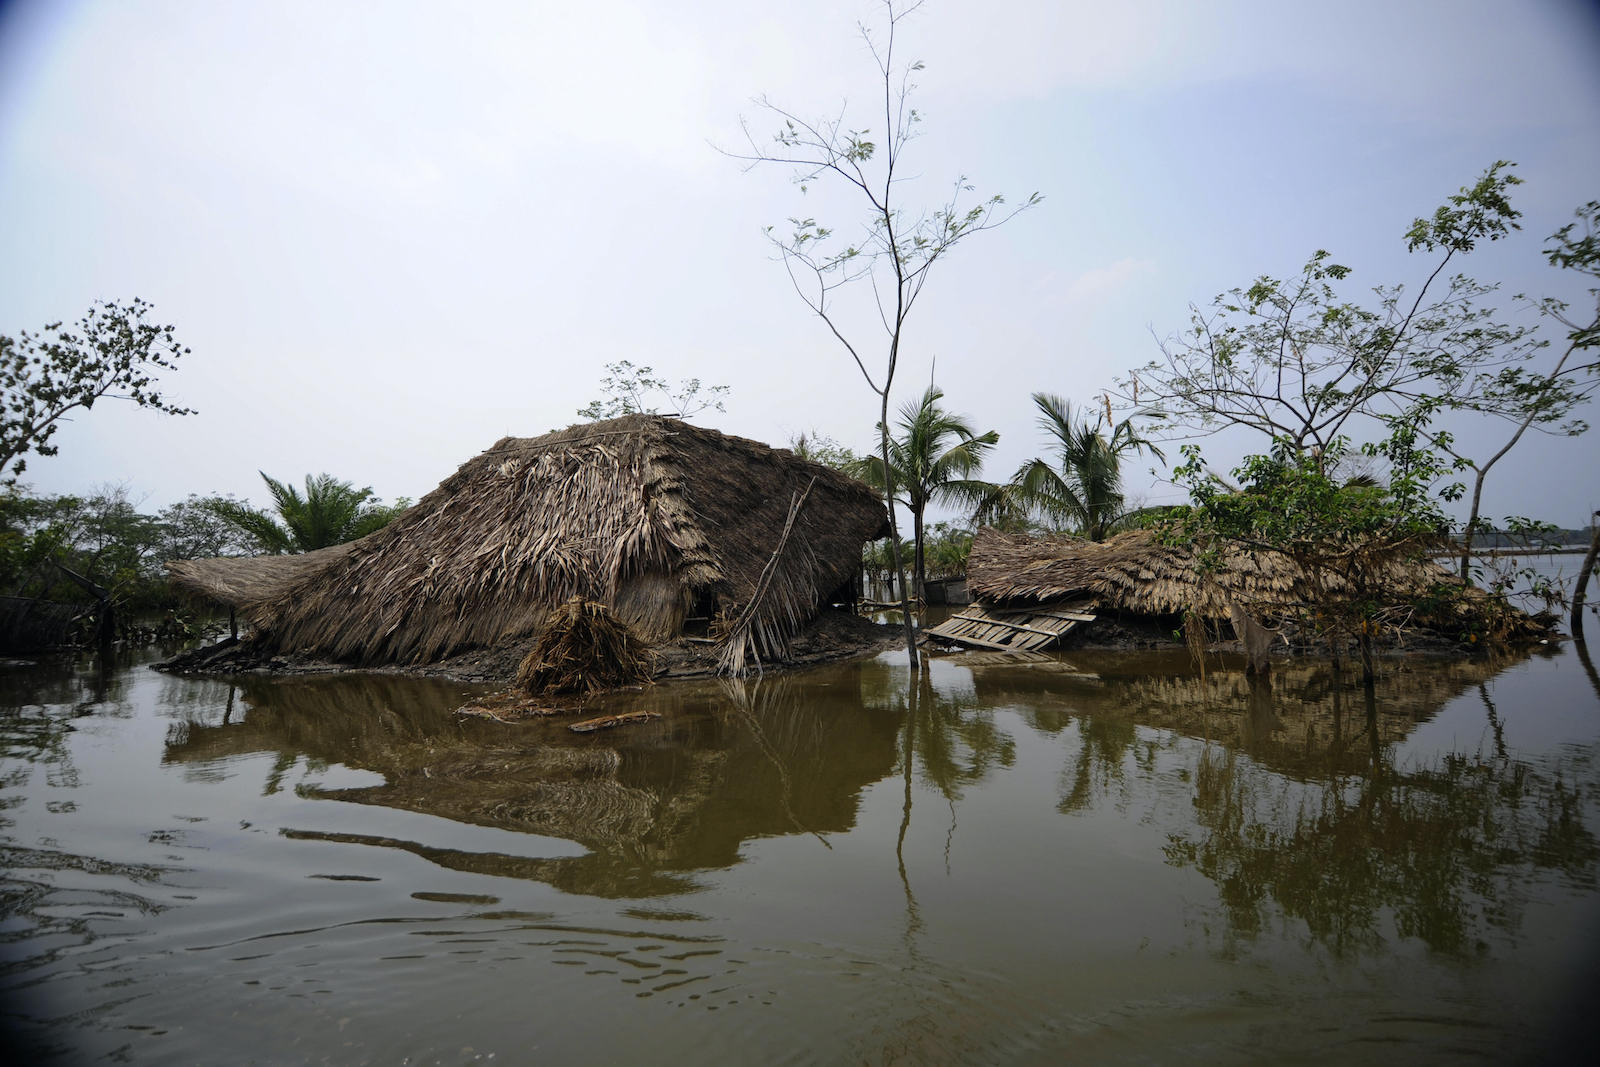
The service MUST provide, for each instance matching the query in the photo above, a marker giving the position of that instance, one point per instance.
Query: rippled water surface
(1103, 857)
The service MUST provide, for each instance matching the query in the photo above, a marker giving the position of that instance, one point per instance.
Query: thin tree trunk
(1369, 670)
(894, 532)
(919, 559)
(1581, 588)
(1472, 528)
(1483, 471)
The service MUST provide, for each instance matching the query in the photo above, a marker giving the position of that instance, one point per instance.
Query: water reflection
(1302, 810)
(1311, 721)
(1443, 854)
(653, 803)
(893, 863)
(1292, 803)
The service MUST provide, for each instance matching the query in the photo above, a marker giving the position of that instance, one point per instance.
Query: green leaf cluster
(108, 539)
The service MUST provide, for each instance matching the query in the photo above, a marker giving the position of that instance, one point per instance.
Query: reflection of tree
(1310, 721)
(1103, 748)
(1581, 648)
(38, 707)
(948, 742)
(1300, 808)
(954, 740)
(956, 744)
(1442, 850)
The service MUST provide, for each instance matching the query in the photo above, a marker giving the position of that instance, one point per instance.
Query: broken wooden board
(1012, 628)
(608, 722)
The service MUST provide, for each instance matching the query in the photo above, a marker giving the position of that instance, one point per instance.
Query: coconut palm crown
(330, 513)
(1080, 486)
(934, 458)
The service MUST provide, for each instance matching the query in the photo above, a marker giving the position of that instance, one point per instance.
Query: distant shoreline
(1565, 550)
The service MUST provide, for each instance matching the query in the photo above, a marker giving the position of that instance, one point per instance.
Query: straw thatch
(250, 583)
(583, 648)
(1134, 572)
(647, 515)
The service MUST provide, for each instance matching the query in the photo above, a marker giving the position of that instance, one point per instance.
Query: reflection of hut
(1032, 590)
(1311, 722)
(652, 805)
(658, 520)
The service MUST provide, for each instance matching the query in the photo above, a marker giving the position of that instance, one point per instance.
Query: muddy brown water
(1098, 857)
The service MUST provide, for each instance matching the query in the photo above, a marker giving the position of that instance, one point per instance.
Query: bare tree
(893, 250)
(630, 390)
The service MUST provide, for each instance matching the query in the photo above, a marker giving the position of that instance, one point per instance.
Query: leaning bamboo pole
(740, 641)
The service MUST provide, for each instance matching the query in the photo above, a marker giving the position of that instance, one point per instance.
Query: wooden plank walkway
(1012, 629)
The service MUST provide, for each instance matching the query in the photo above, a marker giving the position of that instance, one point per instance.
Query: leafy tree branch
(44, 377)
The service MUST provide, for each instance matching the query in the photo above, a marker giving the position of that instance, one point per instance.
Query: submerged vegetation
(105, 538)
(56, 549)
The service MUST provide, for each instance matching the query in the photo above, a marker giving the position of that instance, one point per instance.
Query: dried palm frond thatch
(647, 515)
(247, 582)
(1135, 572)
(583, 648)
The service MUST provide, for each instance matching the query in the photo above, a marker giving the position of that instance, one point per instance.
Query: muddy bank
(1125, 632)
(833, 635)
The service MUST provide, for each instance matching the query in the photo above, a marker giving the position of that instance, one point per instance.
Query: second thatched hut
(1030, 591)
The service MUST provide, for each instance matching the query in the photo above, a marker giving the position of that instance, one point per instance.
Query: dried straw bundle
(582, 648)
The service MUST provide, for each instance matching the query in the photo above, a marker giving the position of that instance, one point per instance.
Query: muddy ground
(833, 635)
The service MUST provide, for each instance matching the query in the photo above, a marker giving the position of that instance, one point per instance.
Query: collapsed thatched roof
(248, 581)
(645, 514)
(1134, 572)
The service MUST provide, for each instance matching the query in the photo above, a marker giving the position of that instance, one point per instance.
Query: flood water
(1108, 858)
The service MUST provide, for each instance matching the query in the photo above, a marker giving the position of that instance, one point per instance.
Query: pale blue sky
(393, 232)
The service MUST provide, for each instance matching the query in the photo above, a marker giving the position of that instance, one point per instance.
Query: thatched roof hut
(1131, 572)
(650, 516)
(1136, 574)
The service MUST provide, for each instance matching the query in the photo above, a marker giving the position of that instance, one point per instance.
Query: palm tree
(1082, 488)
(330, 513)
(934, 459)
